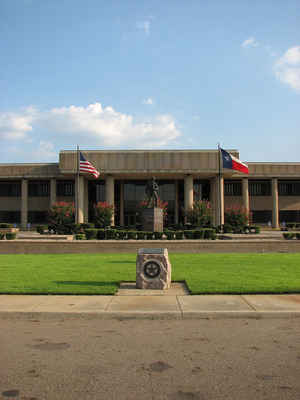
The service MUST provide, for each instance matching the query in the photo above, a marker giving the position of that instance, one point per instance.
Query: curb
(176, 315)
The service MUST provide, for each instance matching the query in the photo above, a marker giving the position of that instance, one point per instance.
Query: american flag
(86, 166)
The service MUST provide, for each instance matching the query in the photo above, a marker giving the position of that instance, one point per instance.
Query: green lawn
(101, 273)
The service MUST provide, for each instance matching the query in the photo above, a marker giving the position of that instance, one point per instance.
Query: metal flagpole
(77, 188)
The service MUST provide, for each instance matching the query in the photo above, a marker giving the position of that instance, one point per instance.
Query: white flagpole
(219, 186)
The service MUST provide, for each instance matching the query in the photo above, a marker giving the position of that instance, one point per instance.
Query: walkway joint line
(248, 303)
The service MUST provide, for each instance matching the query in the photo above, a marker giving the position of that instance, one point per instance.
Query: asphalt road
(141, 359)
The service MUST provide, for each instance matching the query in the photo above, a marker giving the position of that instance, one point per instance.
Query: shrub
(199, 234)
(158, 235)
(298, 236)
(288, 235)
(100, 234)
(103, 214)
(91, 233)
(80, 236)
(2, 236)
(149, 235)
(141, 235)
(122, 235)
(111, 234)
(227, 228)
(4, 225)
(237, 217)
(200, 215)
(254, 229)
(189, 234)
(209, 233)
(41, 229)
(61, 217)
(290, 225)
(10, 235)
(178, 235)
(170, 235)
(131, 235)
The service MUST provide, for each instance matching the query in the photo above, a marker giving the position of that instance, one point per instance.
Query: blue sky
(149, 74)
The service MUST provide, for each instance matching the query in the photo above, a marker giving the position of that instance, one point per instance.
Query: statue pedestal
(153, 219)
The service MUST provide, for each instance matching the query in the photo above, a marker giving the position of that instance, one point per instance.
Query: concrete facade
(271, 191)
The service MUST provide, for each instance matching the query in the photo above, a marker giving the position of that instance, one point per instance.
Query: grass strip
(102, 273)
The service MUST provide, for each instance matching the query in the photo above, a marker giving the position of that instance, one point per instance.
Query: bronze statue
(152, 193)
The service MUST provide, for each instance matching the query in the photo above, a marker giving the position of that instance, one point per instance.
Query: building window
(65, 188)
(260, 188)
(12, 217)
(261, 216)
(37, 217)
(232, 188)
(289, 188)
(201, 190)
(289, 216)
(38, 189)
(10, 189)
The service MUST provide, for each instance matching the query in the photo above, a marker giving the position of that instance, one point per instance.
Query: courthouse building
(271, 191)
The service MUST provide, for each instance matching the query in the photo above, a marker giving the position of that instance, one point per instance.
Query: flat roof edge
(149, 151)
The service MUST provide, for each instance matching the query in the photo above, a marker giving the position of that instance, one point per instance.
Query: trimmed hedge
(131, 235)
(179, 235)
(111, 234)
(2, 236)
(289, 235)
(101, 234)
(158, 235)
(80, 236)
(170, 235)
(5, 226)
(91, 233)
(10, 235)
(41, 229)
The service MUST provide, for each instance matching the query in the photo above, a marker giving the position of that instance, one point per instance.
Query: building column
(275, 211)
(110, 194)
(213, 200)
(80, 198)
(24, 204)
(245, 186)
(176, 217)
(86, 201)
(122, 203)
(220, 200)
(188, 193)
(52, 191)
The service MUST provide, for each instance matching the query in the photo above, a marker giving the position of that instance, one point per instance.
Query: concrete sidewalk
(150, 306)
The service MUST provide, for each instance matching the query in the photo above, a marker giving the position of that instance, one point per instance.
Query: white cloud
(148, 101)
(287, 68)
(14, 126)
(144, 26)
(250, 42)
(94, 125)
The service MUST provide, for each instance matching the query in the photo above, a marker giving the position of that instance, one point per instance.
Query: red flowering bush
(200, 215)
(61, 217)
(236, 216)
(103, 214)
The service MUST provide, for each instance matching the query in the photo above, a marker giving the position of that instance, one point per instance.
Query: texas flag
(231, 162)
